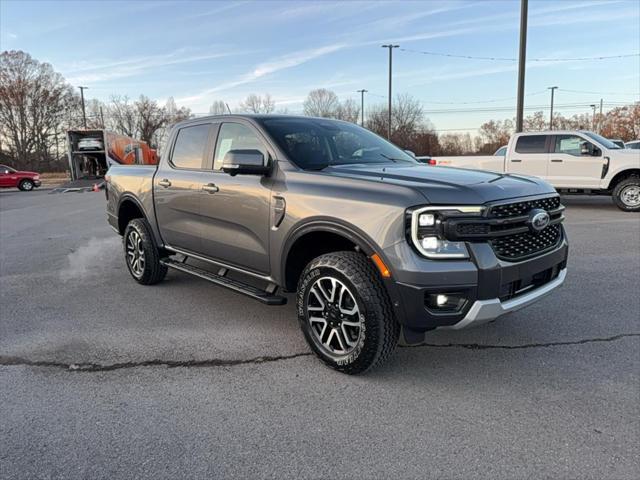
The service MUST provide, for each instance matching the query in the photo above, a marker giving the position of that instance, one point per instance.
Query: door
(235, 210)
(8, 177)
(530, 156)
(569, 167)
(177, 188)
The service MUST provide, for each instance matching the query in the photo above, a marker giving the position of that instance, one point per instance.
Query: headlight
(427, 233)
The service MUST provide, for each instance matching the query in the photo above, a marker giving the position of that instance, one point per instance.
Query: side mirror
(410, 153)
(244, 162)
(586, 148)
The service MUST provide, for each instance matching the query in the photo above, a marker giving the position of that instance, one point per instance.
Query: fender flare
(125, 197)
(332, 225)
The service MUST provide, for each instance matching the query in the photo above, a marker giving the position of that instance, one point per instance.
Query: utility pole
(390, 47)
(600, 118)
(551, 114)
(101, 117)
(362, 92)
(593, 118)
(522, 60)
(84, 115)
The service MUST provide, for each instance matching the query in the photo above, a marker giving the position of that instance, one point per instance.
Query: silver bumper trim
(483, 311)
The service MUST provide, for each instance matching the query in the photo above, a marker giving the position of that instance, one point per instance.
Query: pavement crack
(7, 361)
(98, 367)
(480, 346)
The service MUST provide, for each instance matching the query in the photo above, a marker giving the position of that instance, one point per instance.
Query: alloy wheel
(333, 316)
(135, 253)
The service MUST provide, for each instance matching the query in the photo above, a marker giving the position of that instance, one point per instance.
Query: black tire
(625, 192)
(148, 270)
(26, 185)
(377, 328)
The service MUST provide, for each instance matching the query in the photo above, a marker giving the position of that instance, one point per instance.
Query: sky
(201, 51)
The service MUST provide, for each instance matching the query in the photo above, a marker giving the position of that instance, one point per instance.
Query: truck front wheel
(141, 254)
(626, 194)
(26, 185)
(345, 312)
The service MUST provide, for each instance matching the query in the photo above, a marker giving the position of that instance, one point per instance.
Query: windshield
(314, 144)
(602, 141)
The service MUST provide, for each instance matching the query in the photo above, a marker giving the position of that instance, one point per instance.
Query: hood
(447, 185)
(24, 172)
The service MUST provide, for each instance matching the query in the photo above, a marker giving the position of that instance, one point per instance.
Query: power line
(510, 59)
(637, 94)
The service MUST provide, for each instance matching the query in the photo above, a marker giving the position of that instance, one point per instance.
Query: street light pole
(551, 114)
(593, 118)
(362, 92)
(390, 47)
(522, 60)
(84, 115)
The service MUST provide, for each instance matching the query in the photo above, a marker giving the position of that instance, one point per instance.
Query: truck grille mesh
(522, 245)
(522, 208)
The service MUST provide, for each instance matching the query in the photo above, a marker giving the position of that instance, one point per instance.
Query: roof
(252, 116)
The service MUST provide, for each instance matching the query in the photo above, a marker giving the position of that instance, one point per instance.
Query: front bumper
(491, 286)
(36, 183)
(483, 311)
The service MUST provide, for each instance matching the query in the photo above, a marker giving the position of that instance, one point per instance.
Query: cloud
(12, 35)
(266, 68)
(99, 72)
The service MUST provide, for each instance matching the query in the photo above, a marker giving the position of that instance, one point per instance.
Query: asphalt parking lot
(103, 378)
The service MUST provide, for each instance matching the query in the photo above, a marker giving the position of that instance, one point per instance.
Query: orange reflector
(384, 271)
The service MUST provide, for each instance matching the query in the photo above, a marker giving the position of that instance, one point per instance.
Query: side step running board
(235, 285)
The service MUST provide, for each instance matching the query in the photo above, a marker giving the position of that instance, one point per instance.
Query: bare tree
(495, 134)
(218, 107)
(407, 119)
(258, 104)
(33, 101)
(151, 117)
(535, 123)
(123, 116)
(321, 103)
(348, 111)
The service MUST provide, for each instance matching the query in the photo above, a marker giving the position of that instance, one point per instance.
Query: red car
(12, 178)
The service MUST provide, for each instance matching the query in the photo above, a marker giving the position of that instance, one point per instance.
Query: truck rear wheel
(345, 312)
(26, 185)
(141, 254)
(626, 194)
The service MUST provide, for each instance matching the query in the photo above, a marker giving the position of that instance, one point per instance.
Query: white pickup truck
(576, 162)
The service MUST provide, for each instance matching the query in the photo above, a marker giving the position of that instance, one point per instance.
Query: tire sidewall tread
(154, 271)
(381, 329)
(630, 180)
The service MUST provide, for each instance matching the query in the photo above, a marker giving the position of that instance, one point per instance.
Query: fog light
(441, 300)
(445, 303)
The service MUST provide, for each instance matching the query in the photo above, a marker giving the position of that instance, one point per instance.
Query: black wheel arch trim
(357, 236)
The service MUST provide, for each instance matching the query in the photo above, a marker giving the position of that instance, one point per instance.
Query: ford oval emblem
(538, 220)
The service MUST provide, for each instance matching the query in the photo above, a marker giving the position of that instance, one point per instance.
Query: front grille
(522, 245)
(472, 229)
(506, 227)
(522, 208)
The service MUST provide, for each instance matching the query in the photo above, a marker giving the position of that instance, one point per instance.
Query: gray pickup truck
(374, 243)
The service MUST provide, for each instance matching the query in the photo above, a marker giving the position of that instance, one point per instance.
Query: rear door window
(190, 147)
(532, 144)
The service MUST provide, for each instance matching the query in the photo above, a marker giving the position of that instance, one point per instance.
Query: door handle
(210, 188)
(516, 160)
(556, 160)
(164, 183)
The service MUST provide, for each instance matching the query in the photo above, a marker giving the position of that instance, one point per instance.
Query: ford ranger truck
(373, 243)
(574, 162)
